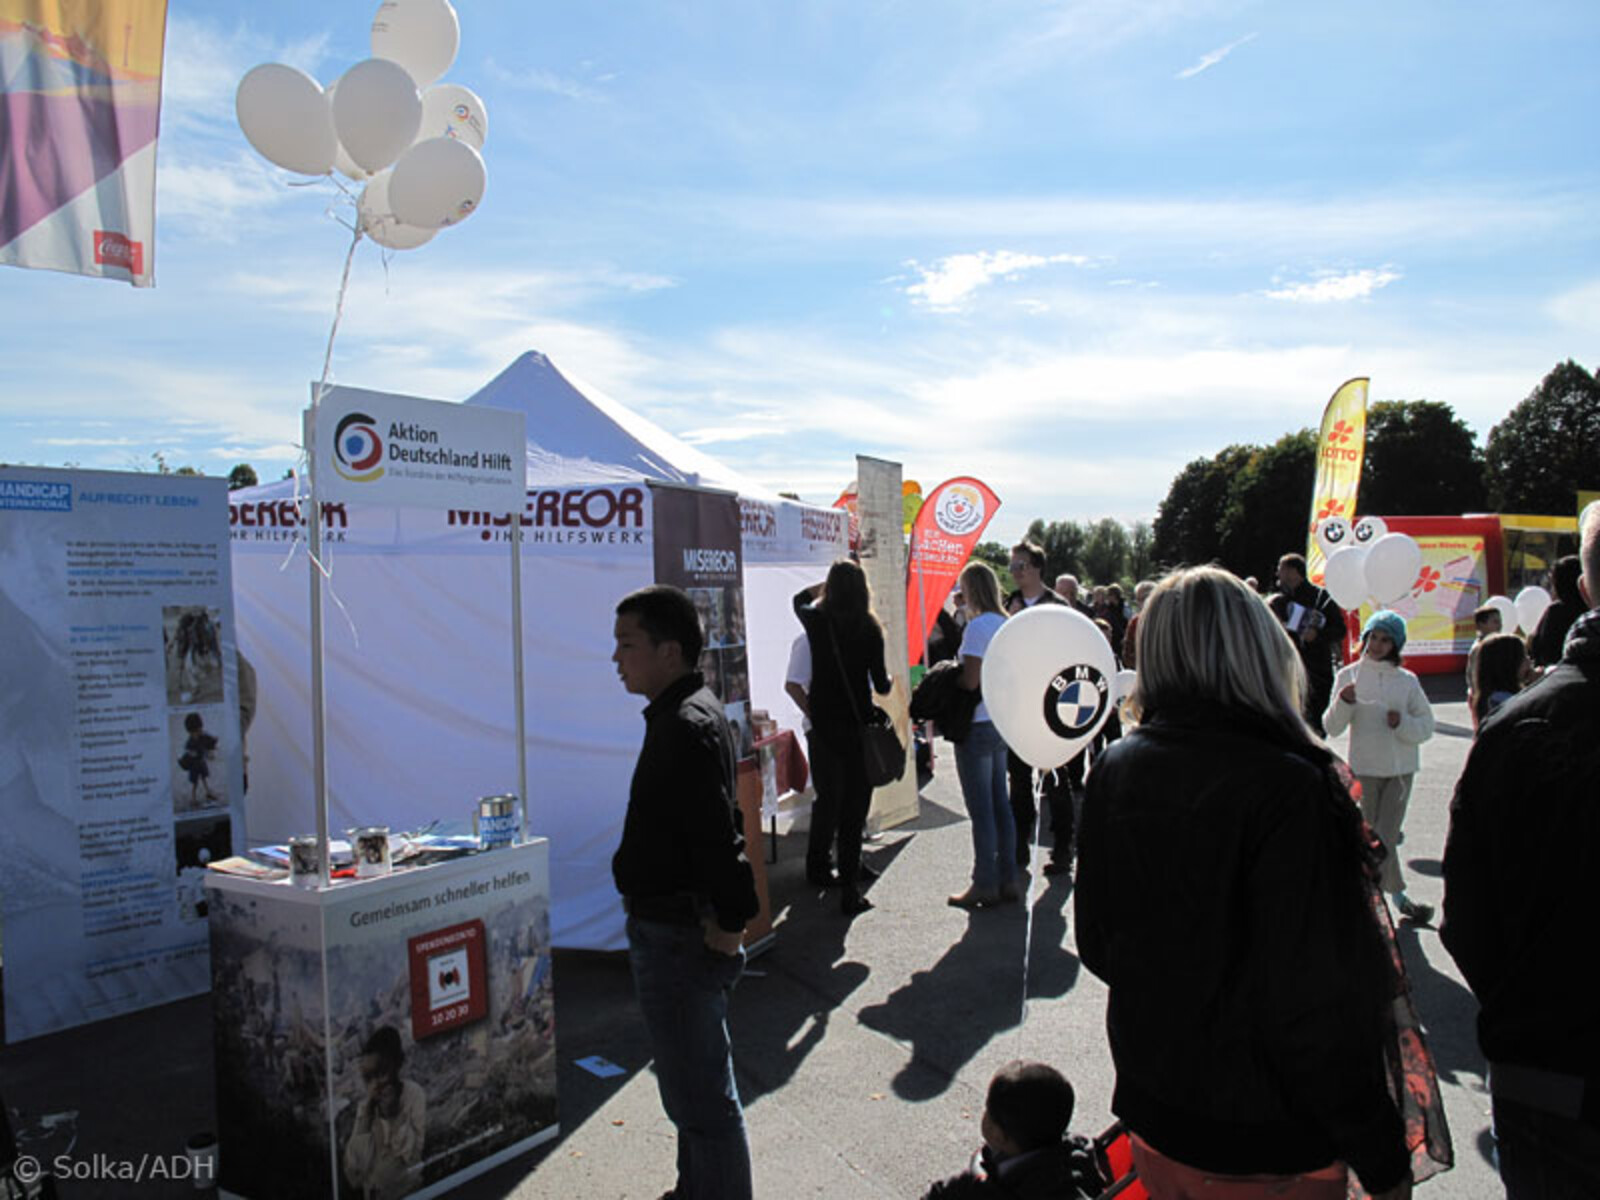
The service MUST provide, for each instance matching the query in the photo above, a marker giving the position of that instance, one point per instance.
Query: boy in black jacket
(1027, 1153)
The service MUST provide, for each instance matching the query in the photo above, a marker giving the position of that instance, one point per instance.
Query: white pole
(319, 749)
(516, 666)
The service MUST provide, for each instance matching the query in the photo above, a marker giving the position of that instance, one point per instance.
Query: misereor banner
(81, 85)
(1341, 444)
(121, 765)
(698, 547)
(948, 526)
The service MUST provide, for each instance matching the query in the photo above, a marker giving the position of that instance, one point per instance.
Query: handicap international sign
(401, 451)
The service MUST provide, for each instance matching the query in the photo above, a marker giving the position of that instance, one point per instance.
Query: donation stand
(393, 1034)
(453, 958)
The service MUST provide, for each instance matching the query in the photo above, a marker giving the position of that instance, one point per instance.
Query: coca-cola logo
(118, 250)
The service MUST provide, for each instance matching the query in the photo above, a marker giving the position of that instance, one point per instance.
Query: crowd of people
(1232, 869)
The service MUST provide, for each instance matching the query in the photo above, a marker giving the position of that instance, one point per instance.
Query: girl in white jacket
(1388, 716)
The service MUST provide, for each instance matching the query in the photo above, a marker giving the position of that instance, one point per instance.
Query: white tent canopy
(419, 681)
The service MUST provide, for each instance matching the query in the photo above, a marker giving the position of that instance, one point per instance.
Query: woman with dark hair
(1544, 644)
(846, 654)
(1223, 896)
(1388, 715)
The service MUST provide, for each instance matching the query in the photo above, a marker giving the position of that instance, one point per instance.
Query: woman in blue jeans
(981, 758)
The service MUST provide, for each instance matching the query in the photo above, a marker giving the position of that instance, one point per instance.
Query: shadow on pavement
(951, 1011)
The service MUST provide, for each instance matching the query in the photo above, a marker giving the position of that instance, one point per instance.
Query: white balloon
(376, 112)
(1369, 530)
(437, 182)
(421, 35)
(450, 110)
(284, 114)
(1392, 565)
(1507, 611)
(1345, 576)
(342, 162)
(1049, 681)
(380, 224)
(1531, 603)
(1333, 535)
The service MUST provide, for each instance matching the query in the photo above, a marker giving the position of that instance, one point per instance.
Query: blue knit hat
(1391, 623)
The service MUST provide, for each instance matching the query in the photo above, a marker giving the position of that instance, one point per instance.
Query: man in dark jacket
(1520, 903)
(1316, 624)
(687, 887)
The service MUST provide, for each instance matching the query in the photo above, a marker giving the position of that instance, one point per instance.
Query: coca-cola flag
(948, 526)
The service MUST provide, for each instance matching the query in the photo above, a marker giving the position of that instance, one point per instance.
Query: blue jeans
(1544, 1156)
(981, 766)
(683, 988)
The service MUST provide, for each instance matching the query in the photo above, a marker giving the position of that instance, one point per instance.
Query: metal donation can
(305, 865)
(371, 846)
(495, 821)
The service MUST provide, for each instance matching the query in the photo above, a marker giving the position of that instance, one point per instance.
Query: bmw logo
(1075, 700)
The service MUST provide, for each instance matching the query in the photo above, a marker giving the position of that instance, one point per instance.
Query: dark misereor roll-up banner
(699, 548)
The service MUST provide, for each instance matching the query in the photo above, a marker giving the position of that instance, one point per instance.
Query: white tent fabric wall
(419, 697)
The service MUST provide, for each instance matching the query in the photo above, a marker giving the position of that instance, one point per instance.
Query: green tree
(1548, 447)
(1420, 459)
(242, 476)
(1141, 551)
(1105, 552)
(1187, 525)
(1063, 543)
(1269, 505)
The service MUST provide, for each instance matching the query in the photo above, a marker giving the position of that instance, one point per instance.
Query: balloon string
(338, 314)
(1027, 903)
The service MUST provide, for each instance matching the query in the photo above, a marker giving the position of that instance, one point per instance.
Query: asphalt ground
(863, 1047)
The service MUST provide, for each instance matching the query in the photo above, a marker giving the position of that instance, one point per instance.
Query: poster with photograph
(120, 757)
(428, 1005)
(698, 548)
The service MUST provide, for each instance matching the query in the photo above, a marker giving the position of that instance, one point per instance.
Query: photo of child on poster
(199, 760)
(192, 652)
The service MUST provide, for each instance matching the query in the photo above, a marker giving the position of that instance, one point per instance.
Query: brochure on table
(120, 761)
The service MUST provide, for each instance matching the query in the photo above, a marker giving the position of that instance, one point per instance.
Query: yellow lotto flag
(1340, 448)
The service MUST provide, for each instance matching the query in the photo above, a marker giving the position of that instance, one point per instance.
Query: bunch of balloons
(1525, 611)
(385, 123)
(1366, 561)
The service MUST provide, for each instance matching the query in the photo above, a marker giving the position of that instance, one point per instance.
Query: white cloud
(1578, 308)
(1343, 223)
(949, 283)
(1207, 61)
(1330, 287)
(537, 79)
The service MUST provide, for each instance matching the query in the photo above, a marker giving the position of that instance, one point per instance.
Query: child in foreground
(1027, 1153)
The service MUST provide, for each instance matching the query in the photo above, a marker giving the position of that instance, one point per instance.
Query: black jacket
(840, 703)
(1063, 1172)
(1521, 866)
(683, 836)
(1220, 896)
(1318, 654)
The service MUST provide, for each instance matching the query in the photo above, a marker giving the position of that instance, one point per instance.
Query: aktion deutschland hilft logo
(357, 449)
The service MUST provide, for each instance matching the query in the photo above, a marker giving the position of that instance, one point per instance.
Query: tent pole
(319, 741)
(516, 667)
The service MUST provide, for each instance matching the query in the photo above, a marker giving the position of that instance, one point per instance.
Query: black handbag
(882, 753)
(880, 747)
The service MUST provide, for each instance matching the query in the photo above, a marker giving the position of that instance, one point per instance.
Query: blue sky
(1064, 246)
